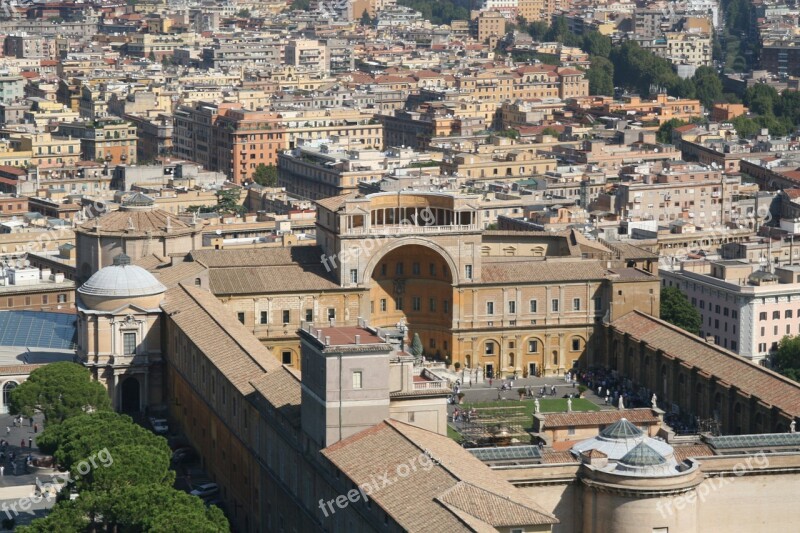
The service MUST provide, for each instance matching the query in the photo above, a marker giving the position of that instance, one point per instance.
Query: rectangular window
(398, 303)
(62, 298)
(285, 316)
(357, 384)
(331, 313)
(286, 357)
(776, 315)
(468, 271)
(489, 348)
(432, 268)
(570, 430)
(309, 315)
(533, 306)
(533, 346)
(44, 299)
(353, 275)
(576, 304)
(512, 308)
(489, 308)
(398, 269)
(240, 316)
(598, 304)
(576, 345)
(446, 306)
(554, 305)
(383, 305)
(129, 343)
(263, 317)
(787, 313)
(432, 305)
(416, 304)
(415, 269)
(762, 316)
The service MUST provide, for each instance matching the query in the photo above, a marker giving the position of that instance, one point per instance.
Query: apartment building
(320, 170)
(679, 191)
(243, 140)
(745, 307)
(108, 139)
(11, 88)
(307, 55)
(46, 149)
(610, 158)
(489, 24)
(508, 166)
(34, 289)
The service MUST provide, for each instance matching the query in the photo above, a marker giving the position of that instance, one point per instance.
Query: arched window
(8, 386)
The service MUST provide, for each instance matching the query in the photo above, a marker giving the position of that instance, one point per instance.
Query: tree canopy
(78, 437)
(267, 175)
(59, 390)
(676, 309)
(787, 358)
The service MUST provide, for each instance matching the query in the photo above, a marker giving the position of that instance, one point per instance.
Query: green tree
(601, 76)
(708, 86)
(596, 44)
(59, 390)
(82, 436)
(130, 464)
(365, 19)
(664, 133)
(301, 5)
(228, 201)
(676, 309)
(243, 13)
(538, 29)
(416, 345)
(787, 358)
(144, 508)
(267, 175)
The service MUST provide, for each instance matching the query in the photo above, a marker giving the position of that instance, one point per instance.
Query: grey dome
(122, 280)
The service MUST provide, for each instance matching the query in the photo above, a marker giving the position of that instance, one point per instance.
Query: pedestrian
(31, 421)
(2, 470)
(30, 442)
(35, 428)
(490, 382)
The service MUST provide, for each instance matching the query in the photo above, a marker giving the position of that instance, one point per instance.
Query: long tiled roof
(229, 346)
(283, 278)
(255, 257)
(599, 418)
(755, 380)
(170, 276)
(435, 498)
(542, 271)
(281, 388)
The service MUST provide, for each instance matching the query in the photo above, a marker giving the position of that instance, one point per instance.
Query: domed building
(628, 476)
(137, 229)
(119, 333)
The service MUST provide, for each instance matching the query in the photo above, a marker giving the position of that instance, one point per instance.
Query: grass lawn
(453, 434)
(552, 405)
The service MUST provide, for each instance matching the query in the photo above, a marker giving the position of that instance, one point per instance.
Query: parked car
(159, 425)
(184, 455)
(205, 490)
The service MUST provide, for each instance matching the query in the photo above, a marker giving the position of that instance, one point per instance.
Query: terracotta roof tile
(542, 271)
(599, 418)
(415, 501)
(226, 343)
(279, 278)
(692, 450)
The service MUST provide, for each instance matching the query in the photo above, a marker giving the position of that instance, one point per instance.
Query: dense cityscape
(397, 265)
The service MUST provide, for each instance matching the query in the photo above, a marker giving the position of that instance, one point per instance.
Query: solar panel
(38, 329)
(765, 440)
